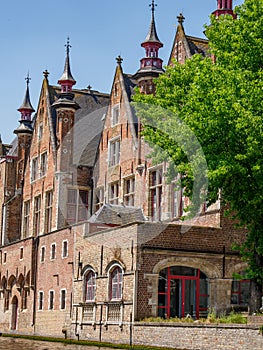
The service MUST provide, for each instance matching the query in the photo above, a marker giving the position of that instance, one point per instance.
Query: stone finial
(119, 60)
(181, 18)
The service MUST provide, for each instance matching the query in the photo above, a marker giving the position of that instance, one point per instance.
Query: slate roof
(88, 123)
(198, 45)
(111, 214)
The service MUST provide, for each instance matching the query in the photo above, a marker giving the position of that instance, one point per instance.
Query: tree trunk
(255, 302)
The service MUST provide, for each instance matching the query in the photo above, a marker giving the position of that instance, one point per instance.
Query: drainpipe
(34, 269)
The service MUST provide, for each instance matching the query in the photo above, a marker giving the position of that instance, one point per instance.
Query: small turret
(66, 82)
(224, 7)
(26, 110)
(151, 64)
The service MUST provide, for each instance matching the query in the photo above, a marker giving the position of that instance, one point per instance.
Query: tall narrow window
(26, 219)
(114, 193)
(64, 249)
(43, 164)
(34, 169)
(156, 194)
(37, 212)
(240, 292)
(21, 253)
(82, 206)
(40, 300)
(99, 198)
(116, 283)
(63, 299)
(40, 131)
(115, 115)
(90, 285)
(42, 254)
(48, 211)
(53, 251)
(77, 206)
(51, 300)
(129, 185)
(114, 152)
(24, 299)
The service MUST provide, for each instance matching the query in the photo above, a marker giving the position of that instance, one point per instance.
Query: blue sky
(33, 35)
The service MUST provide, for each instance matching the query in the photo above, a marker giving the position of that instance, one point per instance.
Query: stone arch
(20, 282)
(11, 282)
(27, 279)
(115, 262)
(209, 269)
(87, 268)
(3, 283)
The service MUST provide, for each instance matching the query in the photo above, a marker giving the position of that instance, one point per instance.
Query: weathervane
(153, 5)
(27, 79)
(67, 45)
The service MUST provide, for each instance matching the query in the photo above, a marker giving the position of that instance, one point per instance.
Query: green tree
(222, 103)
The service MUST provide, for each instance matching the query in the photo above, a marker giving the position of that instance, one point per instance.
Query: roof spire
(67, 80)
(152, 34)
(151, 64)
(26, 108)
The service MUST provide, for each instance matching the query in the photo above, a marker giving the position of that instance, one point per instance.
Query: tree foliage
(222, 103)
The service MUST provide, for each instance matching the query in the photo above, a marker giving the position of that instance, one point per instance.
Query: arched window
(115, 287)
(90, 286)
(182, 291)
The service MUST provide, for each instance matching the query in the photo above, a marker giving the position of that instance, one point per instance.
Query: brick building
(91, 237)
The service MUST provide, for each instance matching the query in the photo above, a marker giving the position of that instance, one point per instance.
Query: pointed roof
(152, 36)
(26, 105)
(192, 45)
(67, 76)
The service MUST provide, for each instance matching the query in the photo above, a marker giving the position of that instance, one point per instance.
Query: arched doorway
(182, 291)
(14, 310)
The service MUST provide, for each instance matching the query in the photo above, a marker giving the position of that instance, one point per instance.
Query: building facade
(91, 236)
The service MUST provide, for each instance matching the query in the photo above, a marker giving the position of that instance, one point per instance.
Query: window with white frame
(37, 212)
(51, 300)
(89, 286)
(99, 198)
(26, 219)
(42, 254)
(43, 164)
(48, 211)
(53, 251)
(129, 191)
(63, 299)
(77, 205)
(64, 249)
(114, 152)
(156, 179)
(40, 300)
(115, 283)
(34, 169)
(115, 115)
(114, 192)
(40, 131)
(176, 196)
